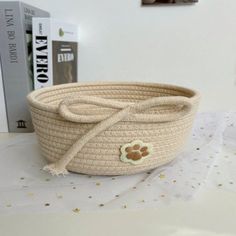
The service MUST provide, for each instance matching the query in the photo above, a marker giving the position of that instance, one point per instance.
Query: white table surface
(211, 212)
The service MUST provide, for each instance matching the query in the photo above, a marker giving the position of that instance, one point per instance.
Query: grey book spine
(3, 113)
(16, 55)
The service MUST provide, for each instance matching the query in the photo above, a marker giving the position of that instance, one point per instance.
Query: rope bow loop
(137, 110)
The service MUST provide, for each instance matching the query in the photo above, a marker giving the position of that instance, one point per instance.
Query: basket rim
(33, 101)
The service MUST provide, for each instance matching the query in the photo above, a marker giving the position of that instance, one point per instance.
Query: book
(55, 46)
(169, 1)
(3, 112)
(16, 56)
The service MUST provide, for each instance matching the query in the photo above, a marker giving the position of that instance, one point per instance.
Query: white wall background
(194, 46)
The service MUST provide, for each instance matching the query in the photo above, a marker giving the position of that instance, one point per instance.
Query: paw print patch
(136, 152)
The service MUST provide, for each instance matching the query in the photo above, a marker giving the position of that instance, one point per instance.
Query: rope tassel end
(55, 169)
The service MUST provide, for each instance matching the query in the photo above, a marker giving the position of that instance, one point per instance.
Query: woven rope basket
(111, 128)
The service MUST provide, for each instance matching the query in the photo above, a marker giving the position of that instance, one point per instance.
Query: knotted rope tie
(126, 112)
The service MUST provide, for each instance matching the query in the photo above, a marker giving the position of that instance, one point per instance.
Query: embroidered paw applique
(136, 152)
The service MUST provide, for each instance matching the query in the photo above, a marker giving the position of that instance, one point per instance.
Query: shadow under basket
(111, 128)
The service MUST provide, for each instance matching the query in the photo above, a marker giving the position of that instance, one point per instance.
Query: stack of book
(35, 51)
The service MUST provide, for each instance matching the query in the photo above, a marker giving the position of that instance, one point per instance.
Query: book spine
(42, 53)
(15, 50)
(3, 113)
(15, 67)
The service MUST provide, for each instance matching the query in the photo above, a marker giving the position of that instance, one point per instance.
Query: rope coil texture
(83, 132)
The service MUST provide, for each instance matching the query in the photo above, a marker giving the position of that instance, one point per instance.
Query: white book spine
(42, 53)
(3, 112)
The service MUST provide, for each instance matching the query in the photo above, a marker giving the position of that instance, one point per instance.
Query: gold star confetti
(76, 210)
(98, 184)
(162, 176)
(30, 194)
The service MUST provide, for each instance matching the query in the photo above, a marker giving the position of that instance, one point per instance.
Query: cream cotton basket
(111, 128)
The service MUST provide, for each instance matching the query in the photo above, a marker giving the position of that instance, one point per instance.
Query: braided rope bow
(126, 112)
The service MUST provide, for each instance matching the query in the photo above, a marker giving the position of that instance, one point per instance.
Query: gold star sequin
(30, 194)
(162, 176)
(76, 210)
